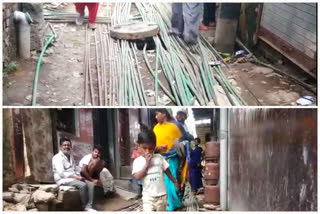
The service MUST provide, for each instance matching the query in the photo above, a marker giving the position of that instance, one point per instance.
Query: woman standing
(166, 133)
(93, 11)
(195, 176)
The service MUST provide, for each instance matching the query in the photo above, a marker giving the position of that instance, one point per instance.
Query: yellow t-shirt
(166, 133)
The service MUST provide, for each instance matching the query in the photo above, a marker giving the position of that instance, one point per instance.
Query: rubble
(26, 197)
(8, 196)
(42, 196)
(21, 208)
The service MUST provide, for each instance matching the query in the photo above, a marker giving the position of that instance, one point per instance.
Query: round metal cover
(134, 30)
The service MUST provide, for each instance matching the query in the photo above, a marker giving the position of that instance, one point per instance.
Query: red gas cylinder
(212, 151)
(211, 173)
(212, 195)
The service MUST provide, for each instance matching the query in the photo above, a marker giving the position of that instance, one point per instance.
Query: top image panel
(159, 54)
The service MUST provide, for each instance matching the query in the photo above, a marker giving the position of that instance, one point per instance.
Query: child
(150, 168)
(136, 183)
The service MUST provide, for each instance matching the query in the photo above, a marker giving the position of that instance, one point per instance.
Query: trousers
(92, 8)
(185, 20)
(86, 190)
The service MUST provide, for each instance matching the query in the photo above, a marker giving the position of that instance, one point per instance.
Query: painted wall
(273, 160)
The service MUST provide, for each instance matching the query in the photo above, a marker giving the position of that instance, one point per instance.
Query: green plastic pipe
(36, 78)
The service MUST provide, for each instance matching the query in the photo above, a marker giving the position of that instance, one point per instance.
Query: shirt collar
(64, 156)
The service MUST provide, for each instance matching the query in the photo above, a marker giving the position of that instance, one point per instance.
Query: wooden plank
(307, 8)
(275, 19)
(298, 13)
(17, 144)
(290, 28)
(306, 63)
(276, 11)
(293, 43)
(291, 33)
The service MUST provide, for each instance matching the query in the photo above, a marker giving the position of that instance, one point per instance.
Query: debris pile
(30, 197)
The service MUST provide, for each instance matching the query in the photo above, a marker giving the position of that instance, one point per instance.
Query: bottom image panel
(148, 159)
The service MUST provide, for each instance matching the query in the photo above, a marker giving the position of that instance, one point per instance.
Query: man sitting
(92, 169)
(64, 171)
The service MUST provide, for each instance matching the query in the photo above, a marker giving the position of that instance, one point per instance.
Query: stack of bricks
(211, 174)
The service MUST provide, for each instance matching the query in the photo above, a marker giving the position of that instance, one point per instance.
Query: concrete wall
(37, 126)
(7, 159)
(9, 46)
(38, 28)
(273, 160)
(295, 23)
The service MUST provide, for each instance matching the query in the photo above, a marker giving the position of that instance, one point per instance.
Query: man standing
(92, 169)
(64, 171)
(209, 16)
(93, 11)
(181, 117)
(185, 21)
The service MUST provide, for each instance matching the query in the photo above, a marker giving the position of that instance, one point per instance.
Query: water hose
(49, 39)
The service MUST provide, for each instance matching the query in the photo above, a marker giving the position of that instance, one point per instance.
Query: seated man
(92, 169)
(64, 171)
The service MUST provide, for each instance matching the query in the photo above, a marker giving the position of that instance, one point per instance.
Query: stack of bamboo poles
(194, 79)
(113, 74)
(114, 77)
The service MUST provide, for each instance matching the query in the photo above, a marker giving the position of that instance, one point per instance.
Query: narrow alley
(246, 159)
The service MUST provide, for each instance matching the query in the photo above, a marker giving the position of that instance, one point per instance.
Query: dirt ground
(61, 79)
(116, 203)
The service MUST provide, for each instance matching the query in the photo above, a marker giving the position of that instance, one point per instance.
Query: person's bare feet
(92, 26)
(79, 20)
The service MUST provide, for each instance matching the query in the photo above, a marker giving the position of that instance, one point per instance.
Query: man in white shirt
(65, 173)
(92, 169)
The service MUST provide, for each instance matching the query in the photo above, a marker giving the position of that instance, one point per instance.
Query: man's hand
(79, 178)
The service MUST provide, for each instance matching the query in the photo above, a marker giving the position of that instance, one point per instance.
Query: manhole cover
(135, 30)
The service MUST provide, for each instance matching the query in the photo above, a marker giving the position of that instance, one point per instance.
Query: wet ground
(61, 79)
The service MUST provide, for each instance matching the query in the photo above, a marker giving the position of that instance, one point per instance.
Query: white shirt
(153, 183)
(85, 160)
(63, 168)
